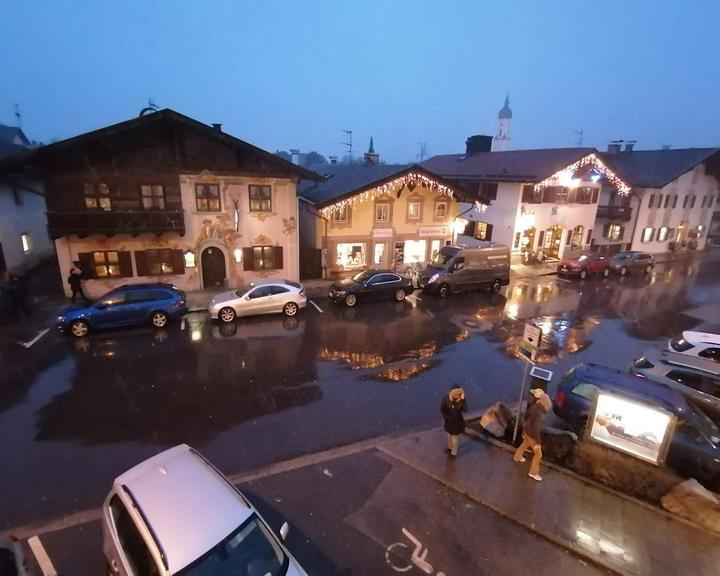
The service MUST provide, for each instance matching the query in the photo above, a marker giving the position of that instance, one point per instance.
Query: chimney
(295, 156)
(217, 127)
(614, 147)
(478, 143)
(370, 156)
(629, 145)
(333, 159)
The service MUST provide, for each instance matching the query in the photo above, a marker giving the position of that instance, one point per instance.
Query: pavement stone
(608, 529)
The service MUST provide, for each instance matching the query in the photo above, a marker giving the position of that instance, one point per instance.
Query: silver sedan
(284, 297)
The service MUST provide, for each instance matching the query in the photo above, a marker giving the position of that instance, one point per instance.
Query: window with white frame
(647, 234)
(153, 196)
(441, 208)
(382, 212)
(350, 254)
(663, 233)
(339, 214)
(413, 210)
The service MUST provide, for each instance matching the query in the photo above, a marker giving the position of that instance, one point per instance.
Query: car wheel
(350, 300)
(583, 274)
(444, 291)
(495, 286)
(399, 295)
(648, 269)
(606, 272)
(159, 319)
(623, 271)
(290, 309)
(226, 314)
(79, 328)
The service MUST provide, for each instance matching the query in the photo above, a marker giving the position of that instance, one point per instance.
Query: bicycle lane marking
(316, 307)
(42, 557)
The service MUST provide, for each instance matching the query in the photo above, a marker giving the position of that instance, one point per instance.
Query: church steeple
(371, 150)
(370, 156)
(501, 141)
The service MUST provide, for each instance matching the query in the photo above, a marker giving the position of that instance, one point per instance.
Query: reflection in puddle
(399, 373)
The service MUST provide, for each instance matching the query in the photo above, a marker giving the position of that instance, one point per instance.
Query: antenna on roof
(348, 144)
(149, 109)
(423, 151)
(18, 115)
(579, 141)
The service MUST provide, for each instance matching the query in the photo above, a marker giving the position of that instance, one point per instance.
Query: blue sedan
(127, 305)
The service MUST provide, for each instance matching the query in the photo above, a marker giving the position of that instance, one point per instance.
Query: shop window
(613, 232)
(379, 253)
(153, 196)
(382, 212)
(441, 209)
(414, 251)
(350, 254)
(97, 197)
(260, 198)
(340, 214)
(106, 264)
(647, 234)
(434, 248)
(207, 197)
(516, 242)
(663, 232)
(414, 210)
(26, 241)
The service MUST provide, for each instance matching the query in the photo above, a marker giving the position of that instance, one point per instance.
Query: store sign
(441, 230)
(530, 341)
(640, 430)
(382, 232)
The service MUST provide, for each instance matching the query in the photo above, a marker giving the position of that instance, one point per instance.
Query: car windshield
(583, 257)
(250, 549)
(440, 260)
(363, 276)
(708, 423)
(620, 257)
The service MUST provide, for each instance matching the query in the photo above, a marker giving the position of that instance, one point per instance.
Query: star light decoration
(591, 160)
(409, 181)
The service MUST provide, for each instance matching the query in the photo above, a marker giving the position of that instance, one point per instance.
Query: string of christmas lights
(411, 180)
(591, 160)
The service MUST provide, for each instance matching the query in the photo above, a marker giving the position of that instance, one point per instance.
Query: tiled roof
(508, 166)
(655, 168)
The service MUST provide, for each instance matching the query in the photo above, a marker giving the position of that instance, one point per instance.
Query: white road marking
(34, 340)
(42, 557)
(316, 306)
(564, 280)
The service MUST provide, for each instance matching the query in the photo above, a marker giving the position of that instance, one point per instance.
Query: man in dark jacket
(452, 407)
(75, 281)
(534, 416)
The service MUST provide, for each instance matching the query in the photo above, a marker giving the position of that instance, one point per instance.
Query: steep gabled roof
(166, 117)
(656, 168)
(14, 135)
(509, 166)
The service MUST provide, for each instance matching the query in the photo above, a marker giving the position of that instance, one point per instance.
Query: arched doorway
(551, 246)
(212, 261)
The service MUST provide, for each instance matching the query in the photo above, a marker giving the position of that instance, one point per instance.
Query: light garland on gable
(410, 181)
(591, 160)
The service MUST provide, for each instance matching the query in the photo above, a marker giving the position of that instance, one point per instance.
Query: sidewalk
(621, 534)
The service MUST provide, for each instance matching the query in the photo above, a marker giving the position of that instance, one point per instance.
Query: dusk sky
(294, 74)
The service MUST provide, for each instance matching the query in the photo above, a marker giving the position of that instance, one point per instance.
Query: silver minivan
(457, 269)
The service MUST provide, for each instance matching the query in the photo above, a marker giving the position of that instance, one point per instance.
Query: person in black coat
(75, 281)
(452, 407)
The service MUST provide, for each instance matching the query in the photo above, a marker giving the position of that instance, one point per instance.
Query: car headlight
(433, 278)
(339, 291)
(60, 319)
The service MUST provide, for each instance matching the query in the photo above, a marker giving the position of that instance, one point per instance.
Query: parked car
(175, 513)
(12, 558)
(284, 297)
(583, 265)
(371, 285)
(696, 378)
(695, 445)
(702, 344)
(457, 269)
(127, 305)
(632, 261)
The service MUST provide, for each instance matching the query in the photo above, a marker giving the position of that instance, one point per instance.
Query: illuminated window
(153, 196)
(189, 259)
(382, 212)
(97, 197)
(264, 257)
(160, 262)
(647, 234)
(414, 251)
(207, 197)
(379, 253)
(107, 264)
(339, 214)
(614, 232)
(26, 242)
(434, 248)
(351, 254)
(260, 198)
(663, 232)
(413, 210)
(441, 209)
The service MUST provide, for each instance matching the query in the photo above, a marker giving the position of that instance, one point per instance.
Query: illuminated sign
(637, 429)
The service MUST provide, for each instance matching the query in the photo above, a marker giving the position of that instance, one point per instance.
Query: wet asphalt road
(75, 414)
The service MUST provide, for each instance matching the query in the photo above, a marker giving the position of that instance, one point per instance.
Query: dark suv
(695, 444)
(126, 305)
(631, 261)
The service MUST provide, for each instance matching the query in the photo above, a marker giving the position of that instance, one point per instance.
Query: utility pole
(423, 151)
(348, 144)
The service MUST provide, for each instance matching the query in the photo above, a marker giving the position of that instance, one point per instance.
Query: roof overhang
(566, 176)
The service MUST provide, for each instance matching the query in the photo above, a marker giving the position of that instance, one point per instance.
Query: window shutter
(248, 259)
(177, 259)
(621, 233)
(125, 262)
(541, 239)
(278, 257)
(568, 238)
(141, 263)
(589, 236)
(87, 265)
(488, 233)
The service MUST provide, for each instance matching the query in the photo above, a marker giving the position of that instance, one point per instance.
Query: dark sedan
(371, 285)
(632, 261)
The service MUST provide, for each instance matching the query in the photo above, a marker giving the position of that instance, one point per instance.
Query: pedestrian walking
(75, 281)
(538, 407)
(452, 407)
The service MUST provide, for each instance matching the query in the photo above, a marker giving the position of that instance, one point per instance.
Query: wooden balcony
(110, 223)
(623, 213)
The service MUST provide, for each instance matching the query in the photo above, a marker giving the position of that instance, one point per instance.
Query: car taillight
(180, 303)
(560, 398)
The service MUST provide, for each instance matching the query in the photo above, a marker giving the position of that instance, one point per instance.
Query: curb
(475, 435)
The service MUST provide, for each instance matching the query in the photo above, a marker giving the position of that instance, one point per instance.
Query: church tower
(502, 140)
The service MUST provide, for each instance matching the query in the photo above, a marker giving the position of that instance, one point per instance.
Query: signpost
(528, 350)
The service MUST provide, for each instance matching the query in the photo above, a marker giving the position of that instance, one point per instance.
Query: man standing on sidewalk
(452, 407)
(75, 281)
(536, 411)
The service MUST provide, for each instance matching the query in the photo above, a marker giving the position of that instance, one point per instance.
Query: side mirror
(284, 529)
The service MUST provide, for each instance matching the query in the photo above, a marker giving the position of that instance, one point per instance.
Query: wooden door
(213, 267)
